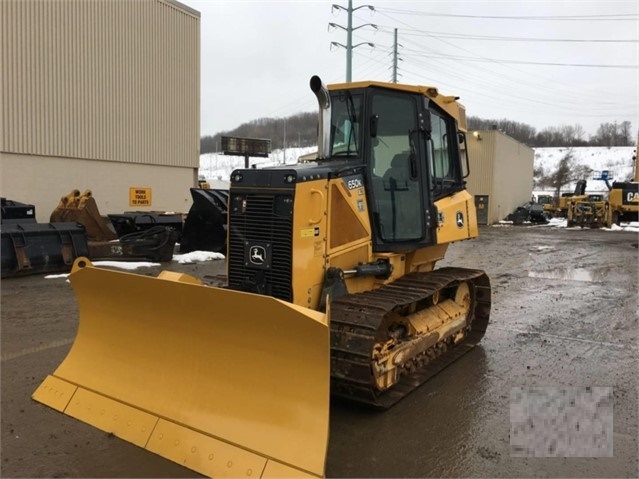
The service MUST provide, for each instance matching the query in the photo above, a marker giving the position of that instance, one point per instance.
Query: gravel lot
(564, 317)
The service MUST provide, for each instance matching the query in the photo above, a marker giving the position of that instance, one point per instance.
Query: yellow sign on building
(139, 196)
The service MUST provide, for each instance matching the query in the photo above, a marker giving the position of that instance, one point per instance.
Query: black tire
(615, 218)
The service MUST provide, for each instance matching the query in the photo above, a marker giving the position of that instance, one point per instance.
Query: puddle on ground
(573, 274)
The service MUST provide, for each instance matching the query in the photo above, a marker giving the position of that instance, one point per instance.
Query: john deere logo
(460, 219)
(258, 255)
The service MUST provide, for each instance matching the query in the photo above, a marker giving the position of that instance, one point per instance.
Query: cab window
(346, 117)
(396, 184)
(442, 155)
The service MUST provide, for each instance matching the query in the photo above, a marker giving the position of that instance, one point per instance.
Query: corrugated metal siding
(41, 181)
(501, 168)
(513, 175)
(480, 180)
(104, 80)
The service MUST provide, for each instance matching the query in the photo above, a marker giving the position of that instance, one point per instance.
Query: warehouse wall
(481, 162)
(110, 183)
(500, 168)
(514, 164)
(112, 82)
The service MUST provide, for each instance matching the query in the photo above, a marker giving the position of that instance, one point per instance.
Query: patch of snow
(558, 222)
(197, 256)
(128, 265)
(192, 257)
(633, 226)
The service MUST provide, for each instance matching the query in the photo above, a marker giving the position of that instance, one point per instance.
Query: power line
(610, 17)
(373, 68)
(494, 86)
(569, 90)
(463, 36)
(515, 104)
(554, 97)
(521, 62)
(483, 89)
(488, 89)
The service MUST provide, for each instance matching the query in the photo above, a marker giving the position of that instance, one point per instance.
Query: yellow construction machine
(623, 197)
(591, 211)
(332, 288)
(564, 200)
(572, 205)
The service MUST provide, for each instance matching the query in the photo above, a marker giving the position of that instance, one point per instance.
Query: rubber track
(356, 318)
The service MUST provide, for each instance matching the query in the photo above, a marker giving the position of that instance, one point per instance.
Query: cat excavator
(332, 289)
(623, 196)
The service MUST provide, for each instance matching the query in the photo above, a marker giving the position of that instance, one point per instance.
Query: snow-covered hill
(216, 166)
(617, 160)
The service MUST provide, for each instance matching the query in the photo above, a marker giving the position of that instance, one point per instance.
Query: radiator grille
(264, 221)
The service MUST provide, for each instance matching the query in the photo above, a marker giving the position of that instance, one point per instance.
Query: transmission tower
(349, 34)
(395, 57)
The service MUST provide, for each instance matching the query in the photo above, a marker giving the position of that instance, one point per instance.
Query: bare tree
(538, 177)
(613, 134)
(567, 171)
(625, 132)
(301, 130)
(519, 131)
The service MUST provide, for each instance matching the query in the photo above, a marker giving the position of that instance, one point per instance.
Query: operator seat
(401, 193)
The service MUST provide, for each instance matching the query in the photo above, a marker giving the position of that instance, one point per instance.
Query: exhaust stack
(324, 134)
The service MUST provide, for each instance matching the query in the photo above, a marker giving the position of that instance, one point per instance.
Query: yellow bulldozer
(332, 289)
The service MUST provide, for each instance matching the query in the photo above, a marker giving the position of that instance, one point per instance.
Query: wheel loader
(332, 289)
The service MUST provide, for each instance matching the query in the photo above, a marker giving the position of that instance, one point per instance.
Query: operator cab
(410, 147)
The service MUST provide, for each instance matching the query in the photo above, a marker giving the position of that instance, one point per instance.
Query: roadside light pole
(349, 34)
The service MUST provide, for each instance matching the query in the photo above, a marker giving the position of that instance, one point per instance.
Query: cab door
(396, 173)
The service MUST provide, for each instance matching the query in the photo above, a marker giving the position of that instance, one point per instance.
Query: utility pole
(284, 157)
(395, 58)
(349, 34)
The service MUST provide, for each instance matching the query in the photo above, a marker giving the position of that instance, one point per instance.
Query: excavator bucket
(226, 383)
(82, 208)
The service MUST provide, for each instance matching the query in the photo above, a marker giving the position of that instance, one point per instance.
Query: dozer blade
(226, 383)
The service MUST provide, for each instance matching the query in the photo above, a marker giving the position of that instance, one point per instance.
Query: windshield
(345, 124)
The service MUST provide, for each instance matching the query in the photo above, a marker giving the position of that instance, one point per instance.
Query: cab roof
(447, 103)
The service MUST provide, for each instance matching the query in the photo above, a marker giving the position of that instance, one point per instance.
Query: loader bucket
(205, 225)
(226, 383)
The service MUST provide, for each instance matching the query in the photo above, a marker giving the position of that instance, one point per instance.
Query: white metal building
(100, 95)
(501, 174)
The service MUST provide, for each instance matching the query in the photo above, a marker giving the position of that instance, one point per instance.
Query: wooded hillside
(300, 130)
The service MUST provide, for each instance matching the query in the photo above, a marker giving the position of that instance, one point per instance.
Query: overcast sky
(257, 57)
